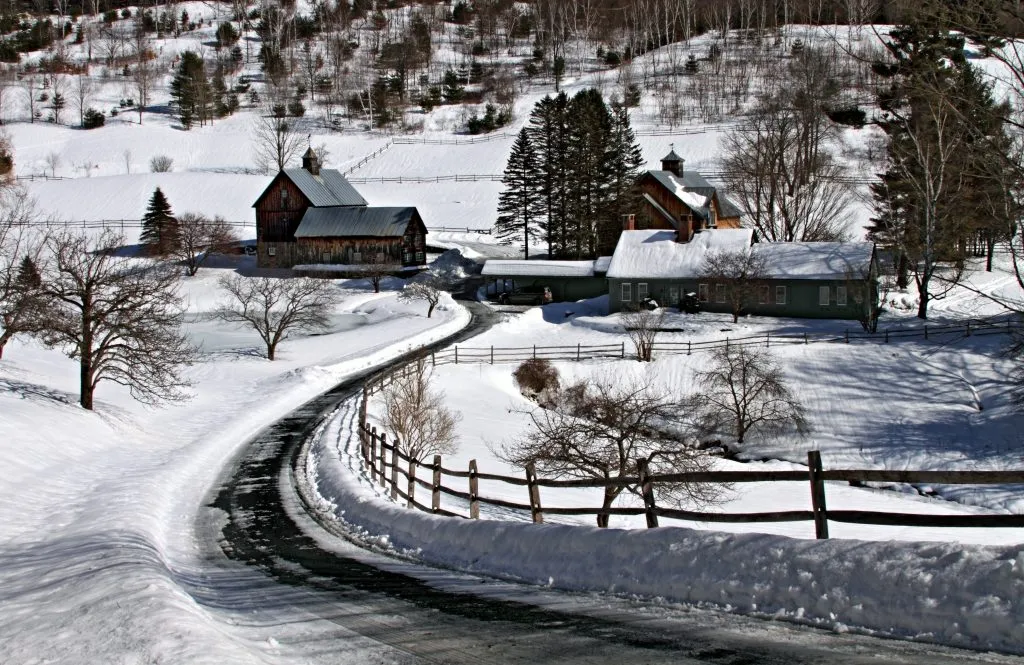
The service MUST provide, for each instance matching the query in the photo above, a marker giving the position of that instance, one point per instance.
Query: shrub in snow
(160, 164)
(537, 379)
(93, 119)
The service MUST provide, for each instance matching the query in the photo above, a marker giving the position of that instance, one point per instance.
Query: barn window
(780, 295)
(823, 296)
(325, 257)
(627, 292)
(841, 296)
(284, 194)
(421, 257)
(357, 257)
(719, 292)
(271, 250)
(406, 257)
(702, 292)
(641, 291)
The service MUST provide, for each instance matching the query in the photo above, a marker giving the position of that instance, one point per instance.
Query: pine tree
(28, 277)
(548, 134)
(520, 204)
(191, 93)
(159, 227)
(586, 171)
(625, 160)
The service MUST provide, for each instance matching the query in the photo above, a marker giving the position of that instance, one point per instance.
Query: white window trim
(627, 292)
(703, 293)
(720, 293)
(271, 250)
(641, 291)
(780, 295)
(824, 296)
(841, 296)
(764, 295)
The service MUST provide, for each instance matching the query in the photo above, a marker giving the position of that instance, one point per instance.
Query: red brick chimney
(629, 222)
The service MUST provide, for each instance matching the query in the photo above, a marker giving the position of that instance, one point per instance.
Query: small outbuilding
(567, 280)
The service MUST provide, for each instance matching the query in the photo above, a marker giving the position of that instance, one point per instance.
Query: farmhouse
(312, 217)
(834, 280)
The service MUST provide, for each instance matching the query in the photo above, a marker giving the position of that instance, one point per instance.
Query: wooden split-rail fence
(577, 352)
(387, 464)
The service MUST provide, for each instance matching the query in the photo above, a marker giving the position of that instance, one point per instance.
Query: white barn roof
(657, 255)
(512, 268)
(816, 260)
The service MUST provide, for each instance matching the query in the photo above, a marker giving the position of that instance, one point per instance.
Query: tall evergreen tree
(625, 160)
(159, 227)
(520, 205)
(191, 93)
(587, 169)
(548, 134)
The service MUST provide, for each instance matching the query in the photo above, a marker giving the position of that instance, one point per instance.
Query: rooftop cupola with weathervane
(311, 162)
(672, 162)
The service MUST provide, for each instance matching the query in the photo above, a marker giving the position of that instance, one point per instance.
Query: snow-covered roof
(602, 263)
(693, 190)
(815, 260)
(508, 268)
(656, 254)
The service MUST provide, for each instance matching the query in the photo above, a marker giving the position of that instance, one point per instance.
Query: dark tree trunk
(989, 251)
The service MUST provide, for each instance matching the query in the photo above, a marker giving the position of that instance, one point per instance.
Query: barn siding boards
(277, 213)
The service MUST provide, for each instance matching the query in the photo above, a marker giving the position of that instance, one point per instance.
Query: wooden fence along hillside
(496, 354)
(387, 465)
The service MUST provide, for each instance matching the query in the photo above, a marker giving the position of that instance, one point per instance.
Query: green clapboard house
(828, 280)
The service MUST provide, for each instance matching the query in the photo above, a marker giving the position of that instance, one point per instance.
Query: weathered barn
(674, 199)
(312, 216)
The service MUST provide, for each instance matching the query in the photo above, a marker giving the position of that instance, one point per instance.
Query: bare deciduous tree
(643, 325)
(428, 290)
(744, 389)
(83, 89)
(20, 248)
(120, 319)
(742, 272)
(160, 164)
(277, 308)
(416, 414)
(276, 141)
(52, 162)
(600, 429)
(199, 238)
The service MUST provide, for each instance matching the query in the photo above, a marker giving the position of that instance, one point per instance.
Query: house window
(406, 257)
(780, 295)
(271, 250)
(763, 295)
(357, 257)
(702, 292)
(325, 257)
(673, 295)
(421, 257)
(823, 296)
(719, 292)
(627, 292)
(841, 296)
(641, 290)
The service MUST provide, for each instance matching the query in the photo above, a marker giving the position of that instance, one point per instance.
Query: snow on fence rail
(458, 229)
(578, 352)
(109, 223)
(400, 475)
(372, 155)
(458, 177)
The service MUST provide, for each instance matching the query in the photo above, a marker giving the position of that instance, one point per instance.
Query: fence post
(534, 351)
(531, 485)
(433, 361)
(474, 492)
(411, 489)
(623, 350)
(492, 354)
(687, 347)
(805, 338)
(846, 334)
(926, 331)
(817, 495)
(394, 470)
(647, 491)
(727, 345)
(435, 488)
(456, 354)
(383, 458)
(767, 340)
(577, 352)
(967, 332)
(373, 452)
(886, 335)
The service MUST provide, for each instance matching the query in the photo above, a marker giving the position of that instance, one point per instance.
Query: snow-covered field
(99, 560)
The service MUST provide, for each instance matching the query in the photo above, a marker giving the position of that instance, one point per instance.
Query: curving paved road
(429, 616)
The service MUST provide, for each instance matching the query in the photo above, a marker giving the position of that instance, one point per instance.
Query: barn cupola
(311, 162)
(672, 162)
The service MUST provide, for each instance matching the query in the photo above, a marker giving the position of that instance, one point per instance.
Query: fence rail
(110, 223)
(458, 177)
(578, 352)
(400, 475)
(458, 229)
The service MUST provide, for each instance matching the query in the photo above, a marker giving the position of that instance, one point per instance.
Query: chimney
(311, 162)
(629, 222)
